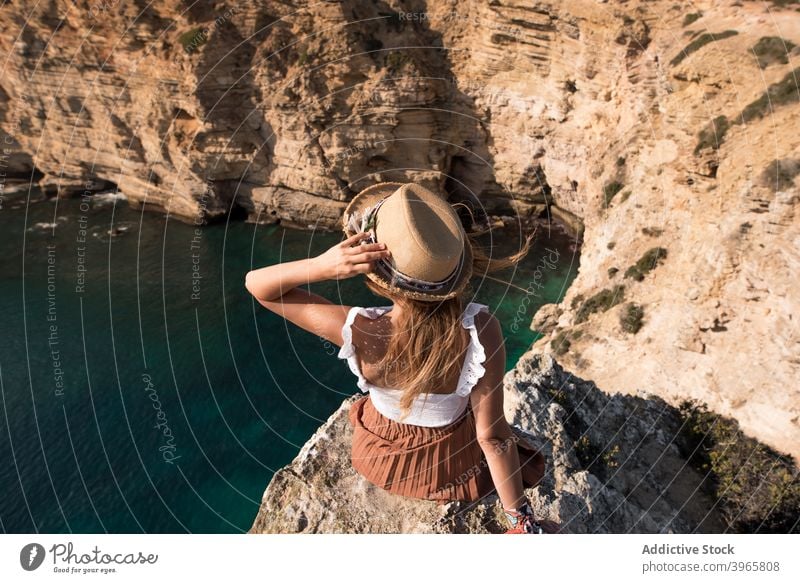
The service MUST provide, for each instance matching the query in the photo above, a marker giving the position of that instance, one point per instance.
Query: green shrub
(630, 318)
(756, 489)
(771, 50)
(610, 190)
(713, 134)
(559, 395)
(647, 262)
(612, 271)
(700, 42)
(560, 344)
(600, 302)
(652, 231)
(586, 452)
(610, 245)
(193, 39)
(781, 93)
(609, 458)
(599, 460)
(691, 17)
(778, 3)
(780, 174)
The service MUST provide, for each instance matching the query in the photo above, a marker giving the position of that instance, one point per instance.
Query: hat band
(388, 271)
(407, 281)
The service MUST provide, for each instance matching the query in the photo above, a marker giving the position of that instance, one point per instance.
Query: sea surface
(143, 390)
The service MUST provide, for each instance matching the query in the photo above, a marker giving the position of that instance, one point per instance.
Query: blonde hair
(425, 348)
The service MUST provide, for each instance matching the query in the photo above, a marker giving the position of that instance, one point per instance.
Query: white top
(428, 409)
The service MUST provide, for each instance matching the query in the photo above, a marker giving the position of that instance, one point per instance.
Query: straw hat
(431, 258)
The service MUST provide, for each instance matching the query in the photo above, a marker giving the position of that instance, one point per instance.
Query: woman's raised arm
(276, 286)
(341, 261)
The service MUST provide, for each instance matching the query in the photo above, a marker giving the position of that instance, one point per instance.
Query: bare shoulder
(370, 336)
(489, 386)
(489, 330)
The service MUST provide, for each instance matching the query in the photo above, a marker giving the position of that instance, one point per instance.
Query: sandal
(522, 521)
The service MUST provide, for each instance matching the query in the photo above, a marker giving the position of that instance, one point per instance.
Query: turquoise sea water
(139, 397)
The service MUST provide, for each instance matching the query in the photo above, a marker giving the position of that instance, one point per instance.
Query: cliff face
(279, 111)
(636, 481)
(688, 269)
(670, 138)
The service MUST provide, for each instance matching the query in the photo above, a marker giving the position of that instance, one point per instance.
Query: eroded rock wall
(669, 136)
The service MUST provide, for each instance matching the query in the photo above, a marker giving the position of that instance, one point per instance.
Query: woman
(432, 424)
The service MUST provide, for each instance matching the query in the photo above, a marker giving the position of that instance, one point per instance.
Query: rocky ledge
(615, 464)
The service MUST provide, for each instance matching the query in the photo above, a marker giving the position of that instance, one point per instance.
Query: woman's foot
(522, 521)
(524, 525)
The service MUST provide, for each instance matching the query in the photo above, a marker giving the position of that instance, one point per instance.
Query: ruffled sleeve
(473, 368)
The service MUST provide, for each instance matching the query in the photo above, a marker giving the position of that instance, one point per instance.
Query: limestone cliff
(668, 136)
(616, 463)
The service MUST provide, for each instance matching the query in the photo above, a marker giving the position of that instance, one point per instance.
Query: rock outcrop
(613, 465)
(668, 137)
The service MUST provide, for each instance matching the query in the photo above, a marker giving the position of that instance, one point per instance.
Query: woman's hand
(350, 257)
(339, 262)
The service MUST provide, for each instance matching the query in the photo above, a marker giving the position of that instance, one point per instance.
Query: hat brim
(370, 196)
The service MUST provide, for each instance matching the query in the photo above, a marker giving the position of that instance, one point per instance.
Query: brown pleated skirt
(433, 463)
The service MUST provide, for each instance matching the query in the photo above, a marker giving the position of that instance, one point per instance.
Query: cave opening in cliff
(89, 186)
(237, 211)
(16, 165)
(31, 174)
(99, 185)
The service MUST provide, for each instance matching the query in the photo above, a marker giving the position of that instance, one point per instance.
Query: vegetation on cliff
(756, 489)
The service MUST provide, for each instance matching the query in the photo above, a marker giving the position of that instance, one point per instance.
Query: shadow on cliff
(614, 464)
(424, 126)
(231, 102)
